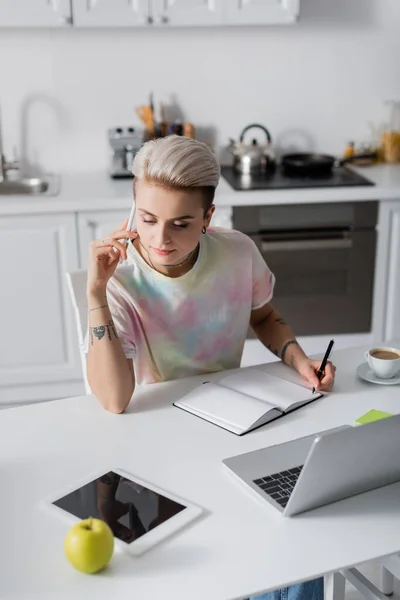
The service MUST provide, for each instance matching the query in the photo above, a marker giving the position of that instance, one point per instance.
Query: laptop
(316, 470)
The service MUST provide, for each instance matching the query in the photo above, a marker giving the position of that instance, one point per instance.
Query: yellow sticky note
(372, 415)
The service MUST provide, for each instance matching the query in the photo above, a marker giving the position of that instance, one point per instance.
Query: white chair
(77, 288)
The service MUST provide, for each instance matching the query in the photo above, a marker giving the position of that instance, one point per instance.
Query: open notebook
(245, 400)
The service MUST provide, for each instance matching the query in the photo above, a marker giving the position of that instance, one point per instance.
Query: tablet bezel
(148, 540)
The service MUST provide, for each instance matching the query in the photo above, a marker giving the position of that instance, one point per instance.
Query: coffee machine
(124, 142)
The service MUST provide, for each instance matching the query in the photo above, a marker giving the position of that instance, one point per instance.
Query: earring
(204, 230)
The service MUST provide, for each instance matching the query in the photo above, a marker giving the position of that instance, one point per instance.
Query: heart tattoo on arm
(99, 332)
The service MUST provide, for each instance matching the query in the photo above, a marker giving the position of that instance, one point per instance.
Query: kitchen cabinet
(392, 313)
(188, 12)
(145, 13)
(39, 352)
(120, 13)
(260, 12)
(39, 357)
(35, 13)
(112, 13)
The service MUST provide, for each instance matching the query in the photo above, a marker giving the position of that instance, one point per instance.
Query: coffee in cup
(384, 362)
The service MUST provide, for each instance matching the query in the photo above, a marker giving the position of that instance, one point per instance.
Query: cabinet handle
(150, 20)
(164, 19)
(93, 229)
(321, 244)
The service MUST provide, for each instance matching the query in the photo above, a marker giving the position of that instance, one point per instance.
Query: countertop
(96, 191)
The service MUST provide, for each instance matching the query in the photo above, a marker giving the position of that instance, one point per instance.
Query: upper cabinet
(188, 12)
(146, 13)
(35, 13)
(111, 13)
(260, 12)
(128, 13)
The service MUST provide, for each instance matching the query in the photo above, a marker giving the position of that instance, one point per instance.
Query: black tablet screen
(129, 508)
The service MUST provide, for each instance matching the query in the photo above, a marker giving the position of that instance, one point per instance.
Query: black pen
(321, 369)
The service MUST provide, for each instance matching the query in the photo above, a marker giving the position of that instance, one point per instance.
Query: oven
(323, 258)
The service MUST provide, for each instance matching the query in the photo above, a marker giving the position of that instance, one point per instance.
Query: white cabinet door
(187, 12)
(38, 344)
(260, 12)
(94, 225)
(111, 13)
(392, 325)
(35, 13)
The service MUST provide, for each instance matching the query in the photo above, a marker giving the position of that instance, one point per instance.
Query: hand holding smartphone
(129, 227)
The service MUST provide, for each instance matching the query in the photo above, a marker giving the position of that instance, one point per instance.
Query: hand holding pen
(324, 362)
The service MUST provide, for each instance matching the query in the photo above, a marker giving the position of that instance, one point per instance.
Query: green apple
(89, 545)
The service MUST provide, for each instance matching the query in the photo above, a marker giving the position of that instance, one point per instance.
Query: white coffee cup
(384, 362)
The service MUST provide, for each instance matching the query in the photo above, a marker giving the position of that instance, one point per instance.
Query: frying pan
(304, 163)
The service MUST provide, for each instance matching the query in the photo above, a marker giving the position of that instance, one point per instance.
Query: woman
(182, 301)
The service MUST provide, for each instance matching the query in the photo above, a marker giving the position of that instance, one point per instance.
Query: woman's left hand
(308, 370)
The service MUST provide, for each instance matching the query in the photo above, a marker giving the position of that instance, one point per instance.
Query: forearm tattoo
(273, 350)
(285, 347)
(99, 332)
(281, 321)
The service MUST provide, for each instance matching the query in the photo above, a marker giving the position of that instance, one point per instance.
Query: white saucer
(365, 373)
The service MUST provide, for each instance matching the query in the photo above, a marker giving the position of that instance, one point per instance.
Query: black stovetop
(277, 180)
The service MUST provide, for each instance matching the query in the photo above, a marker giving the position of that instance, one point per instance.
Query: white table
(239, 548)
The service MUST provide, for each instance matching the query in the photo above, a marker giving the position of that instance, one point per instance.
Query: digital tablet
(140, 514)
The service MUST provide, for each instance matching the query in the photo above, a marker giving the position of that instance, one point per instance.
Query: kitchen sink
(47, 185)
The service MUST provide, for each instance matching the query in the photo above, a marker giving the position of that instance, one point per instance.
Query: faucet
(2, 160)
(5, 165)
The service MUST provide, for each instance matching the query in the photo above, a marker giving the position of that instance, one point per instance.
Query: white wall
(315, 84)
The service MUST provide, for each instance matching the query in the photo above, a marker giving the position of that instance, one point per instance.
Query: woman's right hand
(104, 256)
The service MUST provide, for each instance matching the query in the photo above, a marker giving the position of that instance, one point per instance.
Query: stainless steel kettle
(254, 157)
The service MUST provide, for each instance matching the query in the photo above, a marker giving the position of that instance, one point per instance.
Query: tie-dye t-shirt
(196, 323)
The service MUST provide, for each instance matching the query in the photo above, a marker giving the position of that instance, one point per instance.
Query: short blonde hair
(177, 162)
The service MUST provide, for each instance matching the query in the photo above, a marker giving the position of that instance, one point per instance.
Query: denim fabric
(309, 590)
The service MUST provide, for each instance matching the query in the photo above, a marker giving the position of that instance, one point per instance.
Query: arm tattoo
(281, 321)
(285, 347)
(271, 312)
(98, 307)
(273, 350)
(99, 332)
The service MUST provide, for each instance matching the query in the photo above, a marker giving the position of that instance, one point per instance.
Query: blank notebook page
(268, 388)
(225, 405)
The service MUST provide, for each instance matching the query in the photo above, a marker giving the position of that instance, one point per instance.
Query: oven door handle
(316, 244)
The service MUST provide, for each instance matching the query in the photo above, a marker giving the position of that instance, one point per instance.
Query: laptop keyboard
(280, 485)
